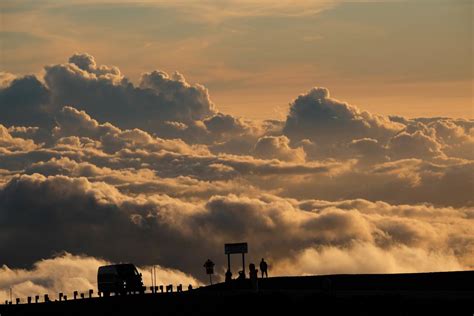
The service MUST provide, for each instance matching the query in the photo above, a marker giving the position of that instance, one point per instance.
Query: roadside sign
(241, 247)
(209, 265)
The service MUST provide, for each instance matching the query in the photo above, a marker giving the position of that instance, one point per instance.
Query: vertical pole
(210, 278)
(154, 275)
(243, 262)
(152, 285)
(228, 261)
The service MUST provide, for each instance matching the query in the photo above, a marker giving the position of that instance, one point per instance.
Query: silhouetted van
(119, 279)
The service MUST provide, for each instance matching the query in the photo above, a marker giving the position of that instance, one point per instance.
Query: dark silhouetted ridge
(440, 293)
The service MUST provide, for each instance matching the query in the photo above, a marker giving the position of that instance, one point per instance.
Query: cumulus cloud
(416, 145)
(106, 94)
(110, 171)
(87, 63)
(368, 150)
(111, 97)
(316, 116)
(184, 102)
(6, 78)
(327, 127)
(24, 101)
(10, 143)
(456, 137)
(399, 182)
(144, 180)
(278, 147)
(71, 122)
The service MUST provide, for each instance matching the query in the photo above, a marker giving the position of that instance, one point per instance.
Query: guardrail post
(90, 293)
(29, 299)
(37, 298)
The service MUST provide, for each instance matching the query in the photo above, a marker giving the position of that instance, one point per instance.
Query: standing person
(253, 273)
(228, 276)
(263, 268)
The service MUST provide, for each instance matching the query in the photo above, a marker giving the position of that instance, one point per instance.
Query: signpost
(241, 247)
(209, 265)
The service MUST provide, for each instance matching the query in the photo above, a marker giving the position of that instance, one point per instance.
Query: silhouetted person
(241, 275)
(253, 273)
(228, 276)
(264, 268)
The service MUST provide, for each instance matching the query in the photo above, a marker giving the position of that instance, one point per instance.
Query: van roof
(112, 268)
(118, 265)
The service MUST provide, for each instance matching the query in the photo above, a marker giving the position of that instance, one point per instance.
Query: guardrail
(163, 289)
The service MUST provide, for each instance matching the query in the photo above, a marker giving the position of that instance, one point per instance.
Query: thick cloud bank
(66, 273)
(96, 169)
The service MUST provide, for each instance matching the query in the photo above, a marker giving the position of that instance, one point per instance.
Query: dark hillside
(444, 293)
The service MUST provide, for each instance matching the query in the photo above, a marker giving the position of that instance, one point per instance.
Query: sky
(394, 57)
(332, 136)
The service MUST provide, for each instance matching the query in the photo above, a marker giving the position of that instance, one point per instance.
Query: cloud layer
(66, 273)
(96, 169)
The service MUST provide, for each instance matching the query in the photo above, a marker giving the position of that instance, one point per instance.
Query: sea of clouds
(97, 169)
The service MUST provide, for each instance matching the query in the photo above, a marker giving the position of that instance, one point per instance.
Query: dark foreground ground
(444, 293)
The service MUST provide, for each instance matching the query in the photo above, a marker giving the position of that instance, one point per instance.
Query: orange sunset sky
(411, 58)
